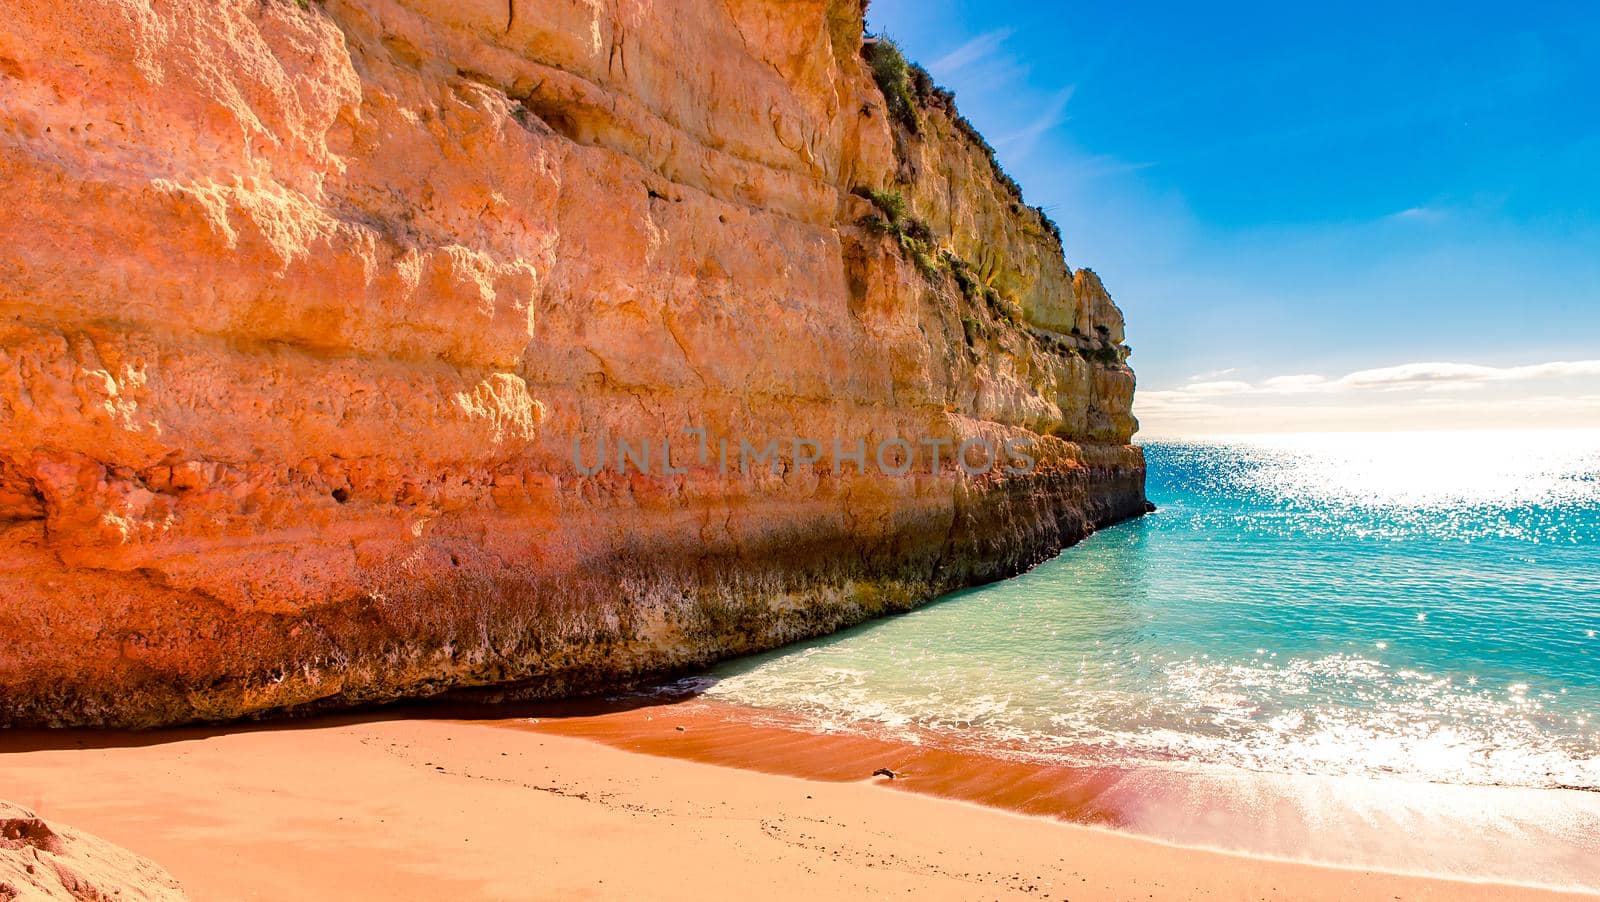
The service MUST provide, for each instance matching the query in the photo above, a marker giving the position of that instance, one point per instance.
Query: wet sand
(1537, 837)
(398, 808)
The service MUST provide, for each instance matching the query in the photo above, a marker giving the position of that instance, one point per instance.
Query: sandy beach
(428, 809)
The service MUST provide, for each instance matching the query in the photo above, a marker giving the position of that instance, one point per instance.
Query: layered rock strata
(303, 306)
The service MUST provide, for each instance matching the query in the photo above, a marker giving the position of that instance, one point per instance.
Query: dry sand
(438, 809)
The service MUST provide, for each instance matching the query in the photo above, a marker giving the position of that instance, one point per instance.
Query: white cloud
(975, 51)
(1217, 388)
(1421, 214)
(1022, 142)
(1442, 394)
(1097, 166)
(1303, 382)
(1403, 376)
(1413, 375)
(1435, 375)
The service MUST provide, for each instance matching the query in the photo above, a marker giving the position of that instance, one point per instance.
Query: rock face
(40, 860)
(305, 304)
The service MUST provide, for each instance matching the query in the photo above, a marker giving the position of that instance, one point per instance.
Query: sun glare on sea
(1433, 469)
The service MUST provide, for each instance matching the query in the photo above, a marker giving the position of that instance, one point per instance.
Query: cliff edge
(307, 304)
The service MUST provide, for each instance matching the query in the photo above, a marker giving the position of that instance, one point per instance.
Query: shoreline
(415, 807)
(1522, 836)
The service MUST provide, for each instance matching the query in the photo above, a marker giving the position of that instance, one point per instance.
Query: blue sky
(1401, 200)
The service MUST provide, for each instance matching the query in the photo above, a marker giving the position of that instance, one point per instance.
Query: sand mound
(41, 860)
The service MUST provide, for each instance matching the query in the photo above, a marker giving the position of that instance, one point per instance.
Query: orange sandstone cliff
(303, 305)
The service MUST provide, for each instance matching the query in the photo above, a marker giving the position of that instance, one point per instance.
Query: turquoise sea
(1419, 606)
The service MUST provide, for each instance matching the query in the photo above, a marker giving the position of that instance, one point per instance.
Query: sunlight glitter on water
(1422, 606)
(1430, 469)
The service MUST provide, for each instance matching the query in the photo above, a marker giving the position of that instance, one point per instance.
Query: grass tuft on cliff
(893, 218)
(908, 88)
(892, 204)
(893, 75)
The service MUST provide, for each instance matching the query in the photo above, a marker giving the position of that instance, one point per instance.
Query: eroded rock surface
(302, 306)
